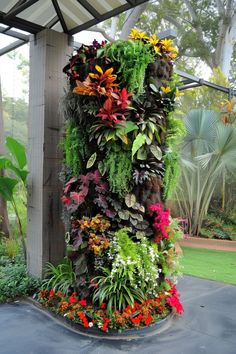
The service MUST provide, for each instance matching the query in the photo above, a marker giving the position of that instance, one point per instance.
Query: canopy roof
(69, 16)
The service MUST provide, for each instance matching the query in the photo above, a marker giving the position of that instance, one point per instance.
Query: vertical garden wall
(120, 167)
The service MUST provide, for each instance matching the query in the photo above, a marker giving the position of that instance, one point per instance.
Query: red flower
(51, 293)
(72, 299)
(83, 302)
(135, 320)
(103, 306)
(148, 320)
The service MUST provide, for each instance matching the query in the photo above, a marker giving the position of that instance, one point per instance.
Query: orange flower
(96, 84)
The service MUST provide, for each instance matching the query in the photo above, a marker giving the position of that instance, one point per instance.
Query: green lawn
(210, 264)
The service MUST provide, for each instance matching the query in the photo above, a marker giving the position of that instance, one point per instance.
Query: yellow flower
(178, 93)
(137, 34)
(153, 40)
(173, 55)
(157, 50)
(166, 89)
(166, 43)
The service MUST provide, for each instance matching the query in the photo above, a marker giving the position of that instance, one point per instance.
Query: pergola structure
(49, 25)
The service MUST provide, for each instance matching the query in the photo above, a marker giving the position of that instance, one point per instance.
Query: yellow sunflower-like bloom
(157, 50)
(153, 40)
(137, 34)
(166, 89)
(166, 43)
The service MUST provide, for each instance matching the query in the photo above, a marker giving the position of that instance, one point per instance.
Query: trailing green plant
(132, 58)
(118, 166)
(61, 277)
(172, 173)
(176, 130)
(139, 260)
(75, 147)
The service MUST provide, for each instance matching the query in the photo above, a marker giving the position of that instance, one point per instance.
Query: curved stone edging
(127, 334)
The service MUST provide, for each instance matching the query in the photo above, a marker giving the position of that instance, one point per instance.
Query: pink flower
(161, 220)
(174, 302)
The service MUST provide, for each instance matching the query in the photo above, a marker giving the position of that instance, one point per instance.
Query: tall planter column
(45, 240)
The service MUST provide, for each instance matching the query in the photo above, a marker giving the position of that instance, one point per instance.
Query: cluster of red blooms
(161, 221)
(140, 314)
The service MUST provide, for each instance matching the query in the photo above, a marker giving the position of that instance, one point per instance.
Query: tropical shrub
(208, 154)
(14, 279)
(120, 236)
(16, 167)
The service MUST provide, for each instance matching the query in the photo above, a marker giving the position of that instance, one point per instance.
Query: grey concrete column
(49, 52)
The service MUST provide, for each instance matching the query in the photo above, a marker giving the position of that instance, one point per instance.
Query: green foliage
(14, 280)
(12, 247)
(138, 260)
(172, 173)
(118, 166)
(203, 96)
(75, 147)
(208, 151)
(215, 227)
(176, 130)
(115, 290)
(60, 278)
(132, 58)
(138, 142)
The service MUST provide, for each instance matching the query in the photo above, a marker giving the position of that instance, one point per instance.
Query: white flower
(90, 324)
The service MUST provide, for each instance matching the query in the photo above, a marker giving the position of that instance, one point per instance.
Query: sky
(11, 78)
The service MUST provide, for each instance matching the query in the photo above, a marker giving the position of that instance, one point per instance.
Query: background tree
(206, 28)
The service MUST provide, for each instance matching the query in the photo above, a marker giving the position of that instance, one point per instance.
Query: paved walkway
(208, 326)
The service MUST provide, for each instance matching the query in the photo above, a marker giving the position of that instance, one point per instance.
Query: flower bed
(120, 166)
(137, 316)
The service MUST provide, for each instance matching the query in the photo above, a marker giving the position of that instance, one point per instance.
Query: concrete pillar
(49, 52)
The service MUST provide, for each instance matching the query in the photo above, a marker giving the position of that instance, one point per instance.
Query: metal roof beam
(17, 22)
(11, 47)
(15, 34)
(90, 9)
(103, 17)
(60, 16)
(196, 81)
(17, 9)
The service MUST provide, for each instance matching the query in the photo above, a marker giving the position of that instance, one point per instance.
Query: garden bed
(127, 334)
(200, 242)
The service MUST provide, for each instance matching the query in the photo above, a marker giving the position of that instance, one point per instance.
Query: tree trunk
(4, 222)
(131, 20)
(225, 43)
